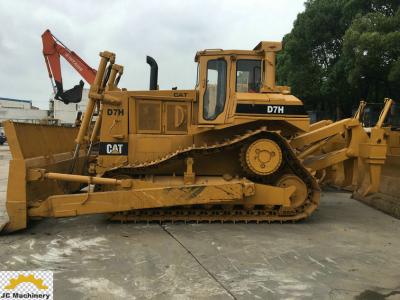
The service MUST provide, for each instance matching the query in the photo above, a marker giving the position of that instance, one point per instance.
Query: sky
(170, 31)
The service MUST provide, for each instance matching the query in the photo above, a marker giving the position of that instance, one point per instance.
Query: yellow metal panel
(319, 134)
(271, 195)
(177, 117)
(323, 161)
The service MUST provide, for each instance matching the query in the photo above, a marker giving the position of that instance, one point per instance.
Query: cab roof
(258, 50)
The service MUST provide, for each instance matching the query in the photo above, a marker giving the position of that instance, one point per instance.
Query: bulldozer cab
(225, 73)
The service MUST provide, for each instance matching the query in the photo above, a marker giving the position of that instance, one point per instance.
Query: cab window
(215, 94)
(248, 76)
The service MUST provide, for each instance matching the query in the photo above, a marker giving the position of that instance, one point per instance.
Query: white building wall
(20, 110)
(22, 114)
(19, 104)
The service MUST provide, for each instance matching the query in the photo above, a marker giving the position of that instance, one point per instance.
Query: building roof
(16, 100)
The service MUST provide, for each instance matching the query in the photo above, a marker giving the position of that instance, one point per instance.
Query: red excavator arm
(53, 48)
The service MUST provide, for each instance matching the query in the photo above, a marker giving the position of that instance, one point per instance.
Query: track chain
(229, 213)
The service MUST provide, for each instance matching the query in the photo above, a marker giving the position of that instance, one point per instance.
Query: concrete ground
(346, 250)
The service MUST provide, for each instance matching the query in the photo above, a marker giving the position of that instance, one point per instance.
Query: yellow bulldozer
(236, 148)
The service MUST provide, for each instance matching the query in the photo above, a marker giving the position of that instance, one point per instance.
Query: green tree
(371, 52)
(317, 60)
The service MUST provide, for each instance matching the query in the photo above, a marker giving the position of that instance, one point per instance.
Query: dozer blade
(35, 146)
(3, 210)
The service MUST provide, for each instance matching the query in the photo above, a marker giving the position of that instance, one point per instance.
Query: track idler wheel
(300, 195)
(262, 157)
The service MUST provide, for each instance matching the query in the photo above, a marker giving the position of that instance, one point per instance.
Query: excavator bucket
(39, 146)
(73, 95)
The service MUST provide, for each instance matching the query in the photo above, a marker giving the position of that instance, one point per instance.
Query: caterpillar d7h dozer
(232, 149)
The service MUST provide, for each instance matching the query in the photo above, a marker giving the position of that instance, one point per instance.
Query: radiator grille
(148, 116)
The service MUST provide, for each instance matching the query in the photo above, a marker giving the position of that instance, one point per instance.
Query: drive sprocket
(261, 157)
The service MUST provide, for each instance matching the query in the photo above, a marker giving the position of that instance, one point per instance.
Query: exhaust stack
(153, 72)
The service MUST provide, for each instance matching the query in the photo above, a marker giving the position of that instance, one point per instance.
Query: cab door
(214, 89)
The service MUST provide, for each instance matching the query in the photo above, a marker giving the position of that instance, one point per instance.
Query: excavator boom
(53, 49)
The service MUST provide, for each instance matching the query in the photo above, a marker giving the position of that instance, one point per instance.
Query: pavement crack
(198, 261)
